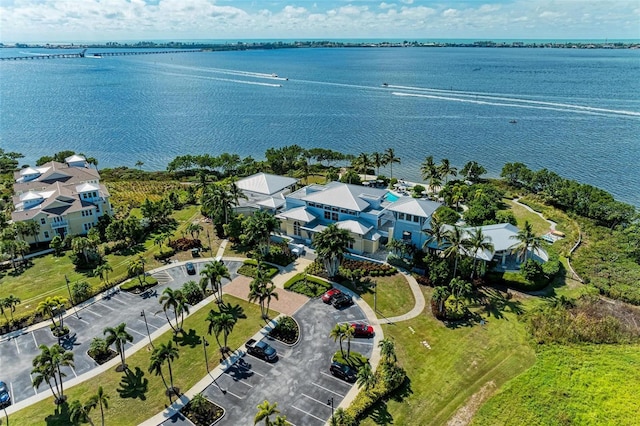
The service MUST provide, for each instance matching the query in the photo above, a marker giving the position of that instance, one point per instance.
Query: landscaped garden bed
(250, 268)
(137, 287)
(286, 331)
(202, 412)
(308, 285)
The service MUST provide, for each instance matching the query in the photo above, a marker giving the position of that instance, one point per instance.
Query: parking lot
(16, 354)
(299, 381)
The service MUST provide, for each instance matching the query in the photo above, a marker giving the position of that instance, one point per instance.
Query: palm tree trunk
(101, 412)
(170, 374)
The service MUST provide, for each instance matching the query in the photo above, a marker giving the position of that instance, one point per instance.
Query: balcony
(59, 224)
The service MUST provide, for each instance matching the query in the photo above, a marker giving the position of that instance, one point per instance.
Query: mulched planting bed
(205, 416)
(286, 331)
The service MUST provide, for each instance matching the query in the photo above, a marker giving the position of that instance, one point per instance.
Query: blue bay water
(577, 112)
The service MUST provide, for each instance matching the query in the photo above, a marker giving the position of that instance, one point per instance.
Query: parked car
(362, 330)
(329, 295)
(191, 269)
(343, 372)
(5, 397)
(341, 300)
(261, 350)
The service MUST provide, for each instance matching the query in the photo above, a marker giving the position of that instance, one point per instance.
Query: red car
(330, 294)
(362, 330)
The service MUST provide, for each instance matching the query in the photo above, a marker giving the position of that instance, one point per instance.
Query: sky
(58, 21)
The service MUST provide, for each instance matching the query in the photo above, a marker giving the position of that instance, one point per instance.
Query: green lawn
(146, 393)
(540, 226)
(460, 361)
(394, 296)
(581, 385)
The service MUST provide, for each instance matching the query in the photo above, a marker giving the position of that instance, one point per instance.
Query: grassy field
(143, 396)
(459, 363)
(46, 275)
(582, 385)
(394, 296)
(540, 226)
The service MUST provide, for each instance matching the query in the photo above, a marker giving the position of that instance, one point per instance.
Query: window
(416, 219)
(327, 215)
(401, 216)
(97, 208)
(46, 234)
(350, 245)
(296, 228)
(43, 220)
(334, 216)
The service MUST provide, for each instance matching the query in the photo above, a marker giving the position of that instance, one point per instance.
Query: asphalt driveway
(299, 381)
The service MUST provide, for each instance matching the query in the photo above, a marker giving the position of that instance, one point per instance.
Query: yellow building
(61, 198)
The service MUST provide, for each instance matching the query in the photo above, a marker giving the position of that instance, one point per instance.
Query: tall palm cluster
(222, 322)
(331, 245)
(262, 290)
(47, 369)
(364, 162)
(437, 174)
(342, 332)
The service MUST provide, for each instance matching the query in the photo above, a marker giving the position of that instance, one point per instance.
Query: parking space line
(248, 369)
(13, 398)
(34, 338)
(137, 332)
(149, 324)
(237, 381)
(233, 394)
(105, 306)
(16, 342)
(360, 342)
(328, 390)
(122, 302)
(74, 371)
(335, 378)
(93, 313)
(315, 417)
(33, 387)
(313, 399)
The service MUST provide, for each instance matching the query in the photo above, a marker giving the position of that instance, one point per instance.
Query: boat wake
(498, 99)
(230, 80)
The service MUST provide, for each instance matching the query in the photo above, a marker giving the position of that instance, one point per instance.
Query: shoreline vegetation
(266, 45)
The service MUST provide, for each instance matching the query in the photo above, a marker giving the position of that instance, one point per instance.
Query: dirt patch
(463, 416)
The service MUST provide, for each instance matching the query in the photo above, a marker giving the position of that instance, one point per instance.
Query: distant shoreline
(258, 45)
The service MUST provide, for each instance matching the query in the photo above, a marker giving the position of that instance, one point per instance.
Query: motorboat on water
(512, 121)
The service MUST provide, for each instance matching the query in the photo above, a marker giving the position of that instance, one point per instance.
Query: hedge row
(307, 285)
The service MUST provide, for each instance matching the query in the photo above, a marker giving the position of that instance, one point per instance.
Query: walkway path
(417, 308)
(551, 223)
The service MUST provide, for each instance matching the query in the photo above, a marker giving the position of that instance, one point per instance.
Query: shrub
(286, 330)
(192, 292)
(164, 255)
(307, 285)
(250, 268)
(280, 254)
(184, 244)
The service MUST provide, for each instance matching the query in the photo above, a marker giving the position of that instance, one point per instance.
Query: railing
(60, 224)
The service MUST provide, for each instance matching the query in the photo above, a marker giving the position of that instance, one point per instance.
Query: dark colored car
(343, 372)
(362, 330)
(261, 350)
(329, 295)
(191, 269)
(5, 398)
(341, 300)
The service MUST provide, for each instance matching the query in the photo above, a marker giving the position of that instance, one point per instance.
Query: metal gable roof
(414, 206)
(264, 183)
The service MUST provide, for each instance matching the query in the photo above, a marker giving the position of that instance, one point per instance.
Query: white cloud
(85, 20)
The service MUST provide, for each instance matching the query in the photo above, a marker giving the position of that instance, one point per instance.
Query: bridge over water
(83, 54)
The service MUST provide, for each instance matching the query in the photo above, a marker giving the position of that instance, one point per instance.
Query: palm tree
(51, 306)
(118, 336)
(258, 228)
(136, 267)
(102, 400)
(212, 274)
(265, 410)
(460, 289)
(47, 366)
(456, 243)
(390, 158)
(439, 297)
(258, 288)
(268, 293)
(365, 377)
(331, 245)
(102, 271)
(349, 332)
(194, 229)
(446, 169)
(435, 233)
(281, 421)
(161, 354)
(377, 159)
(431, 173)
(79, 412)
(217, 202)
(10, 302)
(387, 350)
(362, 163)
(337, 333)
(221, 323)
(527, 241)
(478, 243)
(198, 403)
(176, 300)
